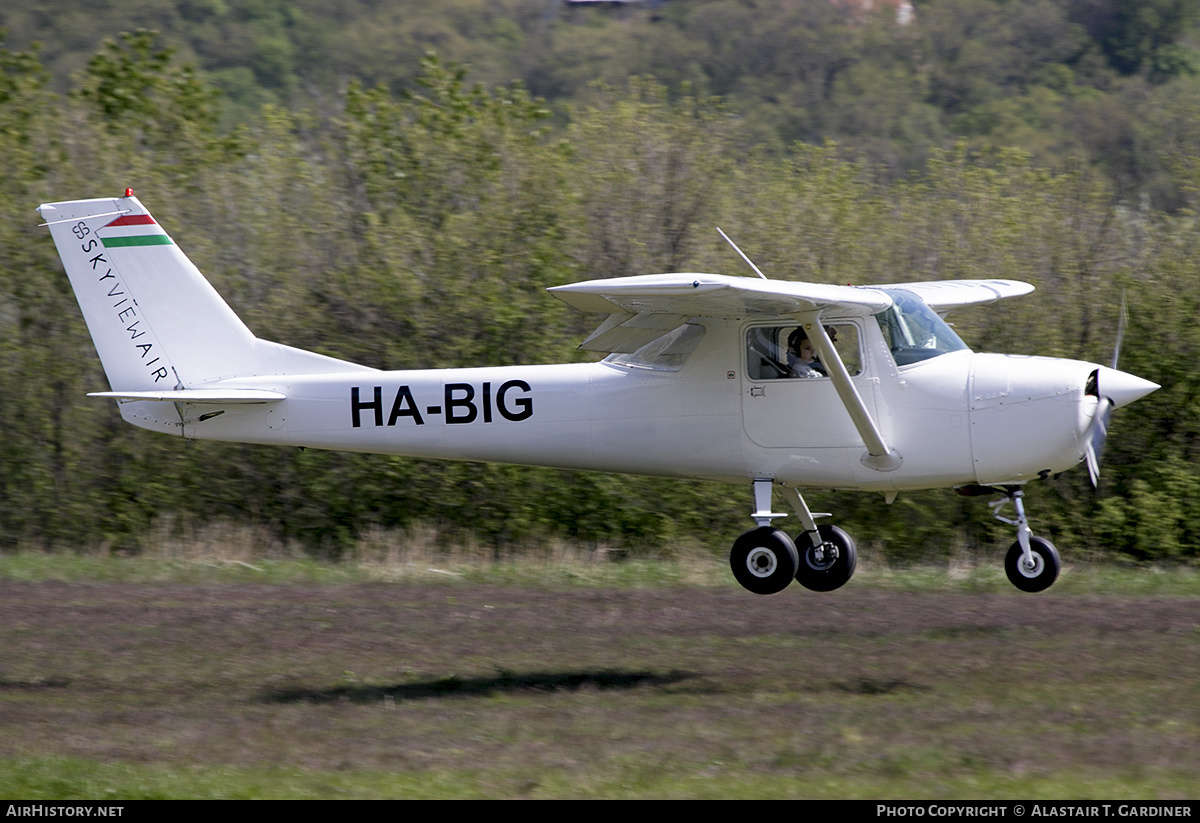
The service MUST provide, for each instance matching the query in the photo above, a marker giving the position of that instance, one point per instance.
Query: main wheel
(1039, 576)
(829, 564)
(764, 560)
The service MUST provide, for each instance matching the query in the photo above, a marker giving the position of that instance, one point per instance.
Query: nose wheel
(1039, 571)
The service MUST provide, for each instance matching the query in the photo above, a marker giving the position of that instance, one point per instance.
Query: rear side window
(666, 353)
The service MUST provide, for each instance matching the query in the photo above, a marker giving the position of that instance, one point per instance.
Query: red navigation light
(129, 192)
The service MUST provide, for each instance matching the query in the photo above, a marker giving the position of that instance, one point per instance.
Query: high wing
(946, 295)
(641, 308)
(717, 295)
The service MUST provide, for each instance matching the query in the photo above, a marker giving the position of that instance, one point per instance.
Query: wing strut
(879, 455)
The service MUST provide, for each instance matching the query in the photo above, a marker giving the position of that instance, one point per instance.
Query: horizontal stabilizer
(220, 397)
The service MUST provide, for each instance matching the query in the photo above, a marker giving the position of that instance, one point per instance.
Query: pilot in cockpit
(802, 359)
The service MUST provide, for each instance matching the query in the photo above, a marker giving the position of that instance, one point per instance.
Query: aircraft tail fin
(157, 323)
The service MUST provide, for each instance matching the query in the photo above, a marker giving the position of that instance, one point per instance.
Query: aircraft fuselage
(954, 419)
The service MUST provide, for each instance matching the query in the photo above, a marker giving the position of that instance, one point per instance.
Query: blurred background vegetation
(349, 193)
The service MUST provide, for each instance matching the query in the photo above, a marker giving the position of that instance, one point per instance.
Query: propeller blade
(1097, 433)
(1124, 319)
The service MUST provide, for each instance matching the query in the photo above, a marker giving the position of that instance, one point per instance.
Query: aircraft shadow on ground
(502, 682)
(54, 682)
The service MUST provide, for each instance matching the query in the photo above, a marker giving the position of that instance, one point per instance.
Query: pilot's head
(801, 346)
(799, 343)
(796, 337)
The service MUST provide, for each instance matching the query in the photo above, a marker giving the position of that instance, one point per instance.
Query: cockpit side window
(778, 353)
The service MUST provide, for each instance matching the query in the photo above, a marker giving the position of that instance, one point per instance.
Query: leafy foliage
(1060, 78)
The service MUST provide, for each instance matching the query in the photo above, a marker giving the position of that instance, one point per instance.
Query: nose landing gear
(1032, 563)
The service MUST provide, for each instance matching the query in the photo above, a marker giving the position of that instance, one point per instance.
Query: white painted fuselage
(961, 418)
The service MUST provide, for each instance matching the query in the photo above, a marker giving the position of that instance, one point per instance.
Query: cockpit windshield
(913, 331)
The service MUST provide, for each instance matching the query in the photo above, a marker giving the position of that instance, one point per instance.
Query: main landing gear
(765, 560)
(1032, 563)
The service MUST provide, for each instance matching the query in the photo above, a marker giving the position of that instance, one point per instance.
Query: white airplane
(777, 385)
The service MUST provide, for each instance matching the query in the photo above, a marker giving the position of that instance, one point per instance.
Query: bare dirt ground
(402, 677)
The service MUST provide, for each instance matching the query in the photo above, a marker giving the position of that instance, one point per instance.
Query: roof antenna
(744, 257)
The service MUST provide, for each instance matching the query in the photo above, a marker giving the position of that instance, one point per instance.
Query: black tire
(764, 560)
(1045, 570)
(828, 565)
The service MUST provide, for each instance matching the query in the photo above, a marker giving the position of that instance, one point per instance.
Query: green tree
(648, 176)
(1144, 35)
(136, 93)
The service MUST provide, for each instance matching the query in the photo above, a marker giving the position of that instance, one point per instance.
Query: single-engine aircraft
(775, 384)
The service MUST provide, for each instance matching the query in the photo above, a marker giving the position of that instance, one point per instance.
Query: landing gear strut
(1032, 563)
(765, 559)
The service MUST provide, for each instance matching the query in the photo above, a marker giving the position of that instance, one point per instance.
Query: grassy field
(189, 678)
